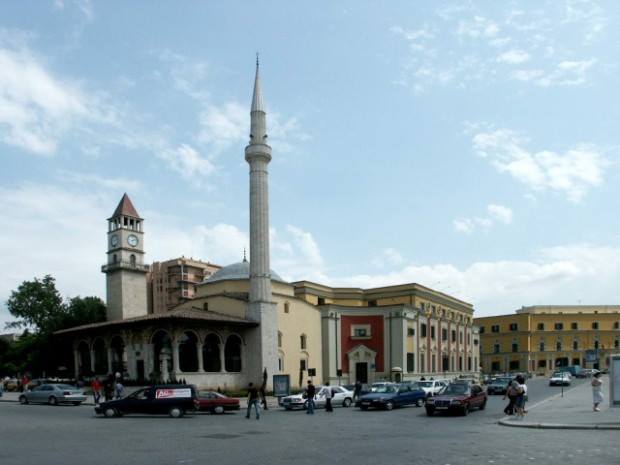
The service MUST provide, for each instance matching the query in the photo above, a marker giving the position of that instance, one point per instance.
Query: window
(279, 339)
(542, 364)
(495, 366)
(515, 347)
(617, 343)
(558, 326)
(596, 344)
(410, 362)
(360, 332)
(410, 331)
(287, 307)
(595, 325)
(574, 325)
(481, 329)
(423, 330)
(205, 306)
(540, 327)
(475, 342)
(495, 329)
(513, 365)
(280, 364)
(616, 324)
(496, 348)
(541, 346)
(558, 345)
(444, 334)
(576, 347)
(445, 363)
(302, 364)
(513, 327)
(321, 301)
(372, 303)
(453, 335)
(460, 337)
(575, 361)
(303, 341)
(432, 332)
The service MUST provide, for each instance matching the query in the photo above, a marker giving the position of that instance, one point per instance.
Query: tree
(37, 303)
(82, 311)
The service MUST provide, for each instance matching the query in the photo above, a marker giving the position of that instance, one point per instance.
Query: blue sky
(467, 146)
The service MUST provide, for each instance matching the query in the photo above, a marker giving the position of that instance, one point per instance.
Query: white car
(560, 379)
(433, 387)
(340, 397)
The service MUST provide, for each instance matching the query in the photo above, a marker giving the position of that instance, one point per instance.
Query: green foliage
(37, 304)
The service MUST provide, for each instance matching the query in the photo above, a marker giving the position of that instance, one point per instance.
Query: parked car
(457, 397)
(560, 378)
(432, 387)
(340, 397)
(389, 396)
(172, 399)
(499, 385)
(215, 402)
(53, 394)
(587, 373)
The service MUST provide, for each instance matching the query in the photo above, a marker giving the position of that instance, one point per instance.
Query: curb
(558, 426)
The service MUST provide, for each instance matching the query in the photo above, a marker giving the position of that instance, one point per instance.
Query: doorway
(361, 372)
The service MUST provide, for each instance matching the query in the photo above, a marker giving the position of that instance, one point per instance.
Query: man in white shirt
(328, 397)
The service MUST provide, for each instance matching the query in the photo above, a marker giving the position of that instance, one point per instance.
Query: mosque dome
(239, 270)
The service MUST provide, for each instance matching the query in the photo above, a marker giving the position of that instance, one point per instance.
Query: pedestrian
(119, 389)
(108, 389)
(310, 393)
(357, 390)
(510, 393)
(520, 389)
(252, 401)
(96, 387)
(597, 391)
(328, 397)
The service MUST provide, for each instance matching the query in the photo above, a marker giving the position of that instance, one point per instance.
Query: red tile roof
(126, 208)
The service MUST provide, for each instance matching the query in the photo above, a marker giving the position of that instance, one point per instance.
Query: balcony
(124, 266)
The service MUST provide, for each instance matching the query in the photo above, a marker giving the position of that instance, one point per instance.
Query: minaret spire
(258, 125)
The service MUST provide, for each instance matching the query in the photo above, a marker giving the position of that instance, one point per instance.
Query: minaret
(264, 352)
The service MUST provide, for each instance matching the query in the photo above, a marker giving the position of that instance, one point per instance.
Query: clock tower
(125, 270)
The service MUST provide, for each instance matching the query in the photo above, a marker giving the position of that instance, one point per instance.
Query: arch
(232, 354)
(162, 341)
(83, 357)
(188, 351)
(211, 353)
(117, 344)
(101, 356)
(132, 260)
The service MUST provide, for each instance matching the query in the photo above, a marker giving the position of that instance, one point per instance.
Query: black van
(172, 399)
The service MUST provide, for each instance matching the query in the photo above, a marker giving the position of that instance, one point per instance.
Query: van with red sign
(172, 399)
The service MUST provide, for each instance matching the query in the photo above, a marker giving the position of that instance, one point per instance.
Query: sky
(471, 147)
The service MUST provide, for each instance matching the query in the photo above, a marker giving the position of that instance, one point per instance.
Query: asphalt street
(68, 435)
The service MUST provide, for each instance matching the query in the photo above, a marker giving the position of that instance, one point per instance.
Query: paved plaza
(41, 434)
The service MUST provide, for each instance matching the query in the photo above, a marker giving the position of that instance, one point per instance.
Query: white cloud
(388, 257)
(562, 275)
(94, 180)
(496, 213)
(224, 125)
(514, 57)
(572, 173)
(189, 163)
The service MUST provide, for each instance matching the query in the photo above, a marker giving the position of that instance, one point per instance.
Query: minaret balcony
(124, 266)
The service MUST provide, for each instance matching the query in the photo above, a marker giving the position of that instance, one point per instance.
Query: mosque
(244, 318)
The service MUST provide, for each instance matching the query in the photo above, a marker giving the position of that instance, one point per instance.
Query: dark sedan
(173, 399)
(390, 395)
(215, 402)
(457, 397)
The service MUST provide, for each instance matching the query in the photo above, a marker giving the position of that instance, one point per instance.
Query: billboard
(281, 385)
(173, 393)
(614, 377)
(591, 356)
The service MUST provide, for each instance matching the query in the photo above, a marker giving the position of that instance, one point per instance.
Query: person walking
(510, 408)
(520, 389)
(96, 387)
(119, 389)
(252, 401)
(357, 390)
(328, 397)
(310, 393)
(597, 391)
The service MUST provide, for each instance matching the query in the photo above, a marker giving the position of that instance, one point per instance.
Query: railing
(125, 266)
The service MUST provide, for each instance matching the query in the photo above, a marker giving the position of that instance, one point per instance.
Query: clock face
(114, 240)
(132, 240)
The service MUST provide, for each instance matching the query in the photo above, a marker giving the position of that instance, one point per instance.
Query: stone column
(110, 356)
(76, 362)
(222, 358)
(175, 359)
(201, 368)
(92, 360)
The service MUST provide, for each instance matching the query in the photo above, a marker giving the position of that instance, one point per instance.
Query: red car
(457, 397)
(215, 402)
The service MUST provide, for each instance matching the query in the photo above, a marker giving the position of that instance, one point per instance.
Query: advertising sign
(281, 385)
(172, 393)
(591, 356)
(614, 388)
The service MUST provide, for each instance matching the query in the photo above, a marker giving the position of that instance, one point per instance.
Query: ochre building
(539, 339)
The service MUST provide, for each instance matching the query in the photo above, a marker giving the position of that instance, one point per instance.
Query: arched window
(211, 354)
(232, 354)
(118, 354)
(541, 346)
(188, 355)
(115, 258)
(279, 339)
(575, 344)
(101, 357)
(303, 340)
(132, 260)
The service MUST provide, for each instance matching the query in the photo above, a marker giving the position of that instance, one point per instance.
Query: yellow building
(540, 338)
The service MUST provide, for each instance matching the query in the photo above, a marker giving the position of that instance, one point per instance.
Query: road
(67, 435)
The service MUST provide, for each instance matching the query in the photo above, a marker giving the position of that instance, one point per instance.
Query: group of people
(111, 389)
(517, 396)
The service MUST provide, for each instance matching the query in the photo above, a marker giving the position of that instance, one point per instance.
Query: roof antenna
(257, 59)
